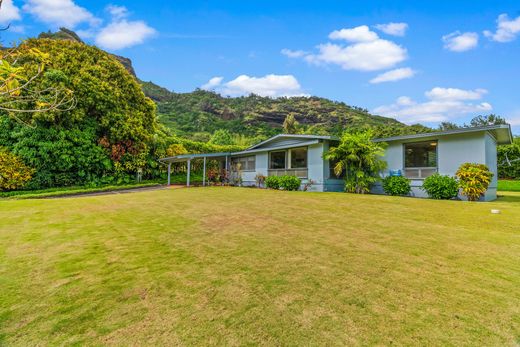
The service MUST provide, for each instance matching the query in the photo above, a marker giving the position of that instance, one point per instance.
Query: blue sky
(418, 61)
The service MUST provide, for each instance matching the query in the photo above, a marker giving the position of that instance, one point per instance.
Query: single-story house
(415, 156)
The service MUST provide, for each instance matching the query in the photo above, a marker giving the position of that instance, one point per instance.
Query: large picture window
(420, 159)
(299, 158)
(245, 163)
(277, 160)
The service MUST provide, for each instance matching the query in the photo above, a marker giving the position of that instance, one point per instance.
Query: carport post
(169, 172)
(188, 174)
(204, 174)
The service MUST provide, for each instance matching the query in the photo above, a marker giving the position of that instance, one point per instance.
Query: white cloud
(212, 83)
(9, 12)
(117, 12)
(293, 54)
(443, 104)
(367, 52)
(122, 33)
(507, 29)
(269, 85)
(396, 29)
(393, 75)
(59, 13)
(460, 42)
(358, 34)
(439, 93)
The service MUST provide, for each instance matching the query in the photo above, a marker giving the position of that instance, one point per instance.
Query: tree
(448, 126)
(490, 119)
(360, 158)
(290, 124)
(221, 137)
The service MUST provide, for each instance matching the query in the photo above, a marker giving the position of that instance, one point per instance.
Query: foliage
(253, 116)
(104, 139)
(14, 174)
(439, 186)
(490, 119)
(396, 185)
(272, 182)
(360, 158)
(155, 92)
(221, 137)
(474, 180)
(290, 124)
(260, 180)
(176, 149)
(509, 185)
(289, 182)
(509, 160)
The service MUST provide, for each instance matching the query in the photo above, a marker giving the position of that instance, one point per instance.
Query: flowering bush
(14, 174)
(474, 180)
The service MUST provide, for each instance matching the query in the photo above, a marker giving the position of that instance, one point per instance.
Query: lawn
(238, 266)
(509, 185)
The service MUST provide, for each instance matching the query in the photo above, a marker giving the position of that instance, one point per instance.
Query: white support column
(188, 174)
(204, 173)
(169, 172)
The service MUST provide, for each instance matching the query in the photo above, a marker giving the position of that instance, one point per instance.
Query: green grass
(237, 266)
(65, 191)
(509, 185)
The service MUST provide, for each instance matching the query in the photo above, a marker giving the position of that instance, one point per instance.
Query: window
(277, 160)
(420, 159)
(299, 158)
(245, 163)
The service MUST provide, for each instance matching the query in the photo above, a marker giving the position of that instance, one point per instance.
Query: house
(421, 155)
(415, 156)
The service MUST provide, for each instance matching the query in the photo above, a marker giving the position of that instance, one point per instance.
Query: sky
(416, 61)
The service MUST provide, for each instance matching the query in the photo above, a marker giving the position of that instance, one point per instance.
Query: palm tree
(360, 158)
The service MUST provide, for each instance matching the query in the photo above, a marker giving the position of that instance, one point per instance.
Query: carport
(223, 158)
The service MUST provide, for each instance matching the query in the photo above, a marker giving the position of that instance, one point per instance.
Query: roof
(501, 132)
(310, 137)
(186, 157)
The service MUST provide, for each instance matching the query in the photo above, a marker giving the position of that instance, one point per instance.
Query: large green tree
(106, 134)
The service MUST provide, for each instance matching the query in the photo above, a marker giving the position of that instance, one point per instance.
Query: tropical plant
(474, 180)
(396, 185)
(272, 182)
(360, 158)
(509, 160)
(260, 180)
(221, 137)
(439, 186)
(290, 124)
(14, 174)
(289, 182)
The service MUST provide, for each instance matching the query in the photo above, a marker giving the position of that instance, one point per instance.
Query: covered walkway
(223, 158)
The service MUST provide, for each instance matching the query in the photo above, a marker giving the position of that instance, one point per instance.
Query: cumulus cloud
(395, 29)
(443, 104)
(460, 42)
(358, 34)
(121, 33)
(269, 85)
(366, 51)
(59, 13)
(507, 29)
(9, 12)
(212, 83)
(393, 75)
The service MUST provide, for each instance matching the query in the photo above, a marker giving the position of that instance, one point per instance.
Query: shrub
(289, 182)
(14, 174)
(441, 187)
(474, 180)
(272, 182)
(396, 185)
